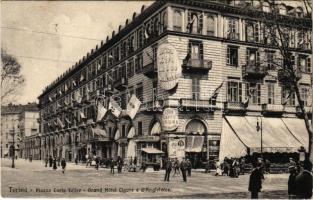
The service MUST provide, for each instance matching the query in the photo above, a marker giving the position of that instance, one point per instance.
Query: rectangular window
(195, 88)
(270, 57)
(123, 131)
(196, 50)
(304, 93)
(130, 68)
(287, 98)
(138, 64)
(304, 63)
(139, 92)
(234, 91)
(253, 57)
(253, 91)
(232, 56)
(155, 90)
(271, 93)
(177, 21)
(232, 32)
(210, 25)
(139, 128)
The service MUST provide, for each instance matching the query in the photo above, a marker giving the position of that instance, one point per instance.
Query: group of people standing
(231, 167)
(184, 166)
(53, 163)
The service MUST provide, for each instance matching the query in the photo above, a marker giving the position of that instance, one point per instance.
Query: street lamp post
(259, 127)
(13, 148)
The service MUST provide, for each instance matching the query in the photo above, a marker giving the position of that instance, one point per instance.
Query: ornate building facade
(196, 69)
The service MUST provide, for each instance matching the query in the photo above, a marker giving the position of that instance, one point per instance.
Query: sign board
(133, 106)
(170, 119)
(169, 67)
(176, 148)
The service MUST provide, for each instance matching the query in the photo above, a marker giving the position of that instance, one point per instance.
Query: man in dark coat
(54, 163)
(292, 182)
(46, 162)
(50, 161)
(112, 164)
(255, 182)
(168, 169)
(188, 164)
(304, 182)
(97, 160)
(63, 165)
(183, 168)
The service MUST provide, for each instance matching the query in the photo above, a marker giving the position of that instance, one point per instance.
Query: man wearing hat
(304, 182)
(292, 182)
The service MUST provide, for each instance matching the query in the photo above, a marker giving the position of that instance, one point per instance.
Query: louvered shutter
(200, 28)
(201, 51)
(240, 92)
(189, 28)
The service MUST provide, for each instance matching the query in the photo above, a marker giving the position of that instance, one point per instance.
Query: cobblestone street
(80, 181)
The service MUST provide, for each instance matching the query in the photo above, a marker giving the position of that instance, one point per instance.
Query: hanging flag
(246, 102)
(133, 106)
(68, 121)
(101, 112)
(286, 100)
(50, 99)
(55, 123)
(59, 122)
(78, 97)
(146, 34)
(98, 66)
(65, 87)
(190, 25)
(82, 77)
(58, 105)
(110, 56)
(114, 107)
(216, 92)
(60, 92)
(74, 83)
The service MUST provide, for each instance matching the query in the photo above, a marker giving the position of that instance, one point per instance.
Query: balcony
(283, 75)
(307, 109)
(253, 71)
(234, 107)
(196, 104)
(197, 65)
(304, 46)
(233, 36)
(274, 109)
(152, 106)
(120, 83)
(109, 90)
(150, 70)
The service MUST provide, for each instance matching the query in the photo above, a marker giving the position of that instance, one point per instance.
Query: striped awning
(131, 133)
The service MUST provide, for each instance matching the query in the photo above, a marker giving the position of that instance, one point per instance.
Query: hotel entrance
(196, 143)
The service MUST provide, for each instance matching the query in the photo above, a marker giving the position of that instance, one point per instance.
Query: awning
(276, 136)
(152, 151)
(131, 149)
(99, 132)
(298, 129)
(131, 133)
(194, 143)
(117, 135)
(156, 129)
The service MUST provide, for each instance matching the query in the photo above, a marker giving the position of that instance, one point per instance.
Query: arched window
(177, 22)
(266, 7)
(210, 26)
(299, 12)
(195, 126)
(194, 24)
(250, 32)
(282, 9)
(156, 26)
(164, 18)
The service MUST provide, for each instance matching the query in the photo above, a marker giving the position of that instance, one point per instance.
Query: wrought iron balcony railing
(253, 70)
(197, 65)
(120, 83)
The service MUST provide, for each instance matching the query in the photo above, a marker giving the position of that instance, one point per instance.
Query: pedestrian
(304, 182)
(46, 162)
(30, 158)
(63, 165)
(176, 166)
(50, 161)
(255, 181)
(54, 163)
(88, 161)
(112, 164)
(183, 168)
(143, 166)
(267, 166)
(59, 161)
(292, 182)
(218, 168)
(168, 169)
(76, 160)
(189, 166)
(97, 160)
(242, 166)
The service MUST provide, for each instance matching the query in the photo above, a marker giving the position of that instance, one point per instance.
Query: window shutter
(189, 28)
(293, 61)
(228, 91)
(309, 70)
(240, 92)
(247, 55)
(228, 55)
(257, 57)
(201, 51)
(256, 32)
(200, 28)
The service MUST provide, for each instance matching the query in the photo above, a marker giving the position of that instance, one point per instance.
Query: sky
(48, 37)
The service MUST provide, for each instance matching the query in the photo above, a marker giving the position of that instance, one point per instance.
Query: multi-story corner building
(193, 65)
(23, 120)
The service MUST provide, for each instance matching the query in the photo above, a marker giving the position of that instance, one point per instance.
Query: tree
(279, 31)
(12, 80)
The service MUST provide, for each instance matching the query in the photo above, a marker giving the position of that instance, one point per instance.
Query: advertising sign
(169, 68)
(176, 148)
(170, 119)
